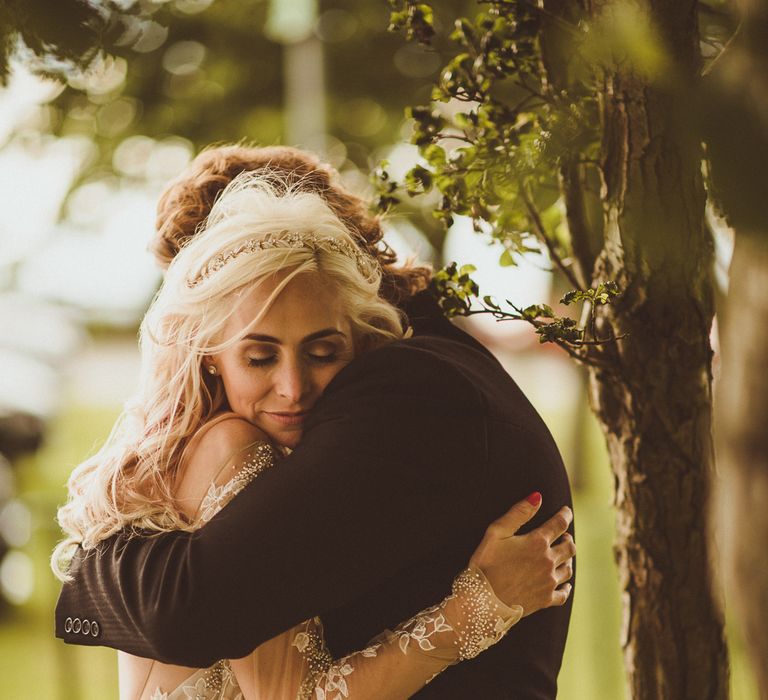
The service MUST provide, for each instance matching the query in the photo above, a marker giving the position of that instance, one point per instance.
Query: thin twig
(725, 48)
(458, 137)
(538, 225)
(519, 106)
(564, 24)
(580, 357)
(601, 341)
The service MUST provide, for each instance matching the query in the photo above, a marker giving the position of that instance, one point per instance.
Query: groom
(413, 449)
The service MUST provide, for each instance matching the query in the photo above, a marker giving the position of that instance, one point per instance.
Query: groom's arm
(392, 451)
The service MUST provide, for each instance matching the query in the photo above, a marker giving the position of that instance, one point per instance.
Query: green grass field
(36, 666)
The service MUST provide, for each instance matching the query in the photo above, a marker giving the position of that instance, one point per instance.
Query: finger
(560, 596)
(564, 550)
(519, 514)
(556, 525)
(564, 572)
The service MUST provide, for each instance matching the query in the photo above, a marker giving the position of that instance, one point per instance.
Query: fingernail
(534, 499)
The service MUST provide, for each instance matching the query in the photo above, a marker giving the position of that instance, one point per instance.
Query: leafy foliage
(511, 138)
(208, 72)
(495, 131)
(459, 295)
(417, 19)
(60, 35)
(602, 294)
(493, 141)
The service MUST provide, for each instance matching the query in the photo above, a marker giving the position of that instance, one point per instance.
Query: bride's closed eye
(325, 352)
(313, 357)
(317, 357)
(261, 361)
(321, 355)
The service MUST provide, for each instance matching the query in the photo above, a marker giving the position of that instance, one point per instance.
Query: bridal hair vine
(365, 262)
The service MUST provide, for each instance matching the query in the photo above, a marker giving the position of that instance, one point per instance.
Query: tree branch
(582, 357)
(584, 242)
(541, 233)
(725, 48)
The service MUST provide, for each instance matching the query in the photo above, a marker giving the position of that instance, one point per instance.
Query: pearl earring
(211, 369)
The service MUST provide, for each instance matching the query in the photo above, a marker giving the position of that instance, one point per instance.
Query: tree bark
(654, 401)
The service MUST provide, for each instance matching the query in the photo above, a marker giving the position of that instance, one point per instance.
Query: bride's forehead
(308, 300)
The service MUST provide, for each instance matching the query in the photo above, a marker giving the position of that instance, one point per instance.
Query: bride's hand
(530, 570)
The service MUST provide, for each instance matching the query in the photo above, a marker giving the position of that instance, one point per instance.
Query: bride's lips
(287, 419)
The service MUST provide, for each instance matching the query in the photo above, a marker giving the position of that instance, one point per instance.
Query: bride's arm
(399, 662)
(530, 573)
(527, 571)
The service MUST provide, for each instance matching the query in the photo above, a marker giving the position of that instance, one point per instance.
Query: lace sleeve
(399, 662)
(239, 471)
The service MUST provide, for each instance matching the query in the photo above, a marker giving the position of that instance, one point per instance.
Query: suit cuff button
(86, 627)
(68, 625)
(77, 625)
(95, 629)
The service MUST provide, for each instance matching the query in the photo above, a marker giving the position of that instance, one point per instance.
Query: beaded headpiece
(365, 262)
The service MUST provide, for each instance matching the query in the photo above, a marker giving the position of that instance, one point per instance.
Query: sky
(94, 258)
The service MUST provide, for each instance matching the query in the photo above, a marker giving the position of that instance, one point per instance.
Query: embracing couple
(308, 496)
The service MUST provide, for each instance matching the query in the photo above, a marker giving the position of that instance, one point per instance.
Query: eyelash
(321, 359)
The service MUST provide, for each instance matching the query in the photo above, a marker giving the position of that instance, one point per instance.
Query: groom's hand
(530, 570)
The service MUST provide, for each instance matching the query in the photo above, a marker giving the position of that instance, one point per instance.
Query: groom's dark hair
(187, 201)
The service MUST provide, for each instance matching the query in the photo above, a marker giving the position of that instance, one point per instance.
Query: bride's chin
(289, 439)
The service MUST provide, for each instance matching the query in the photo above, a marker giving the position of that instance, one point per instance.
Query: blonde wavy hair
(189, 198)
(129, 481)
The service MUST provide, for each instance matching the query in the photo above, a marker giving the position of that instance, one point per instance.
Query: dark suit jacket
(413, 449)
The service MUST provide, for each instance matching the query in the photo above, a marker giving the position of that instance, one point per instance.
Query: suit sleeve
(391, 458)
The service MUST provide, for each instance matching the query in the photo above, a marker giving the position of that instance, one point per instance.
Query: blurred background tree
(736, 128)
(142, 75)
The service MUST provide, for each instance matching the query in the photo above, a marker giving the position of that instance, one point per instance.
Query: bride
(258, 313)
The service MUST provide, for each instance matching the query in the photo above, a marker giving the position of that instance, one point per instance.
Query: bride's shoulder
(208, 455)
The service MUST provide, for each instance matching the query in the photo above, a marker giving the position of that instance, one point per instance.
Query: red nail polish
(534, 499)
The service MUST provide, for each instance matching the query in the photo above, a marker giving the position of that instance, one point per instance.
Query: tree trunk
(653, 397)
(739, 96)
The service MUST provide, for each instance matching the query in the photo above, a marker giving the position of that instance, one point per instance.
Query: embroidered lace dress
(296, 665)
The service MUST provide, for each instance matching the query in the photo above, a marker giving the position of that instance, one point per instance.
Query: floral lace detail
(484, 619)
(310, 643)
(466, 623)
(262, 457)
(215, 683)
(331, 684)
(328, 680)
(421, 627)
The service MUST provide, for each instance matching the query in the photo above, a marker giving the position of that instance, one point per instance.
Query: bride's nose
(292, 380)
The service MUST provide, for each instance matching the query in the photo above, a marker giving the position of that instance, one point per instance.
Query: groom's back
(519, 457)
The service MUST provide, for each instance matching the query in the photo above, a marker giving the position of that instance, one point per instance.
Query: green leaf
(418, 180)
(531, 312)
(434, 154)
(506, 259)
